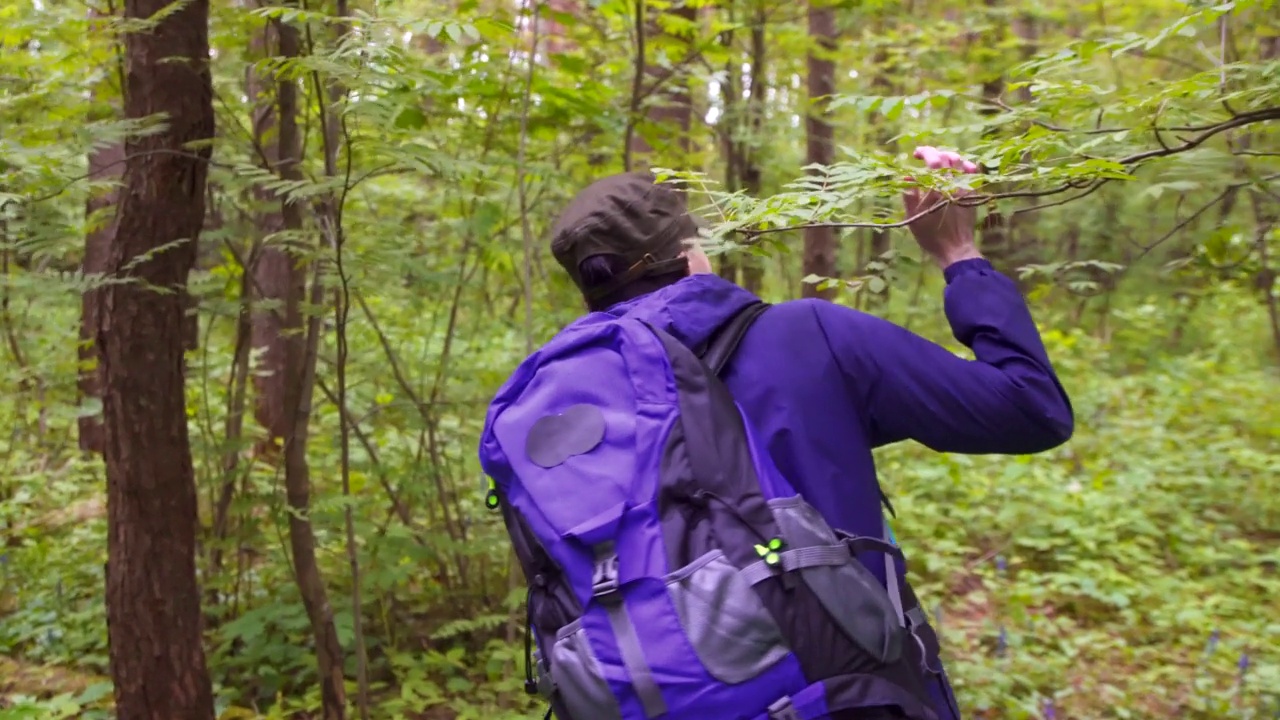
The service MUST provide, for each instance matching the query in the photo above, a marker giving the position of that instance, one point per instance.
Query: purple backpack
(672, 571)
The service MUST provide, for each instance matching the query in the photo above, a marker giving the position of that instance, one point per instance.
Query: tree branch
(1090, 186)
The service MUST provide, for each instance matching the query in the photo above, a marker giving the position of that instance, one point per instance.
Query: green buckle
(491, 498)
(769, 552)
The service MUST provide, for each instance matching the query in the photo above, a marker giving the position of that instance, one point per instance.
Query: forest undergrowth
(1132, 573)
(375, 185)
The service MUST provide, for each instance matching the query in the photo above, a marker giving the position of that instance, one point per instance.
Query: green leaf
(411, 117)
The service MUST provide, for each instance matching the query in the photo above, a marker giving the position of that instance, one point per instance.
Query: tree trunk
(299, 364)
(994, 239)
(106, 164)
(674, 109)
(555, 37)
(152, 598)
(820, 242)
(750, 167)
(882, 134)
(669, 112)
(274, 274)
(261, 95)
(1024, 246)
(1265, 217)
(1024, 27)
(999, 237)
(727, 126)
(730, 129)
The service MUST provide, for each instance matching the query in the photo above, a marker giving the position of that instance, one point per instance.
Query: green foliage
(1130, 147)
(1125, 574)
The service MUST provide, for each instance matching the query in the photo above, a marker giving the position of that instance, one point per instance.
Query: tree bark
(261, 95)
(555, 37)
(1265, 217)
(669, 112)
(999, 240)
(994, 238)
(153, 601)
(274, 274)
(729, 125)
(742, 156)
(750, 166)
(882, 134)
(820, 242)
(299, 375)
(106, 164)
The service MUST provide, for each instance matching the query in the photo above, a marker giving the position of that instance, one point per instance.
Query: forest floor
(18, 677)
(1132, 573)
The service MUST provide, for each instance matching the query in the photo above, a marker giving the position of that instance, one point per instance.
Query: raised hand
(946, 233)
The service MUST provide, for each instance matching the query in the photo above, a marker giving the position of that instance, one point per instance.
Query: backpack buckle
(604, 575)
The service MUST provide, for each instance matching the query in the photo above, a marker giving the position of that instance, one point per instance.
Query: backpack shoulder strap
(724, 342)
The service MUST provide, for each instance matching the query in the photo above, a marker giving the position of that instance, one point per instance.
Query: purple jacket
(825, 384)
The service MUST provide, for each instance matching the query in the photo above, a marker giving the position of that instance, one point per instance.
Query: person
(825, 384)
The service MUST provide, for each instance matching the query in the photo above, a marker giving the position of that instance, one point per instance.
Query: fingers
(930, 155)
(916, 202)
(937, 159)
(911, 201)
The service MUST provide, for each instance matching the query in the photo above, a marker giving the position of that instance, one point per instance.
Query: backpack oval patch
(556, 438)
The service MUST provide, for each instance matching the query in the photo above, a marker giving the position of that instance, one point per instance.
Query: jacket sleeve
(1006, 401)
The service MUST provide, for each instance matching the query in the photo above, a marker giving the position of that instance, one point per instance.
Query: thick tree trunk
(820, 242)
(153, 602)
(106, 165)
